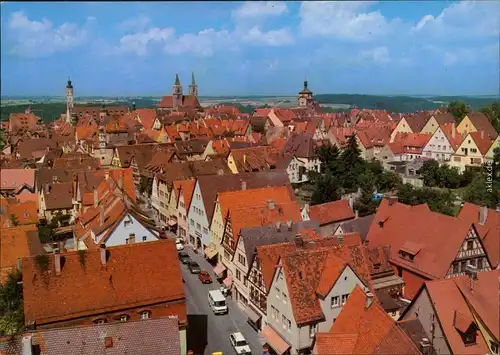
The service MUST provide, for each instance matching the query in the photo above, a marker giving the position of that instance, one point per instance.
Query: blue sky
(239, 48)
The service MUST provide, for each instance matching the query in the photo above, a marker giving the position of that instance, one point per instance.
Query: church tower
(177, 92)
(193, 88)
(69, 101)
(305, 96)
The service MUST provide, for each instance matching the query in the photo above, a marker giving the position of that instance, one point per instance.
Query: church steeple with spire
(177, 92)
(193, 88)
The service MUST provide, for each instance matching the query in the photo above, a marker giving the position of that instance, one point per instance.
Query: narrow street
(218, 327)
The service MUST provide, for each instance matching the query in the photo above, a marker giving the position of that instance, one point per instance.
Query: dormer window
(145, 315)
(123, 318)
(100, 321)
(466, 328)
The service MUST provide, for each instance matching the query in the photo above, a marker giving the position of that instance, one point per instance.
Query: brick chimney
(453, 130)
(57, 261)
(299, 242)
(102, 248)
(356, 214)
(243, 185)
(483, 215)
(482, 134)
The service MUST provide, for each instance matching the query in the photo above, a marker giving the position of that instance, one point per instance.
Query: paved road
(218, 326)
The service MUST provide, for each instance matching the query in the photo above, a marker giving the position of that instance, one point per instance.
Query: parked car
(184, 258)
(194, 267)
(240, 344)
(205, 277)
(179, 246)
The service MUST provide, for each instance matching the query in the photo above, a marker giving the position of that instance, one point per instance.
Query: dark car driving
(184, 258)
(194, 267)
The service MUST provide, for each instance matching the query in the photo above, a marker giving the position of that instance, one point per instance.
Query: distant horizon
(45, 96)
(382, 48)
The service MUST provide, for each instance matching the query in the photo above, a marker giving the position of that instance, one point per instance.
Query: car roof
(238, 336)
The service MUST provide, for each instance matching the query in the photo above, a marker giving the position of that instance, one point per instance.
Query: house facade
(468, 154)
(438, 147)
(297, 322)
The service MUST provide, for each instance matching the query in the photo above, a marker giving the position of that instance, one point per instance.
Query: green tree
(329, 155)
(11, 304)
(479, 193)
(388, 180)
(45, 233)
(351, 155)
(448, 177)
(429, 172)
(493, 113)
(327, 189)
(365, 204)
(458, 109)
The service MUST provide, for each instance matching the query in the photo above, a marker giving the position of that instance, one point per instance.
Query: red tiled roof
(16, 243)
(331, 212)
(106, 288)
(312, 271)
(146, 116)
(439, 236)
(364, 330)
(449, 302)
(482, 123)
(483, 141)
(12, 179)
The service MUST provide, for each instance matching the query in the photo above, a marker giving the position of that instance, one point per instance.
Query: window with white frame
(277, 292)
(241, 259)
(335, 301)
(284, 297)
(344, 299)
(238, 275)
(145, 315)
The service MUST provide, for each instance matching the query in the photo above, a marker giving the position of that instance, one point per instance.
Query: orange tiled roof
(482, 123)
(322, 265)
(12, 179)
(146, 116)
(231, 200)
(263, 215)
(436, 242)
(331, 212)
(25, 212)
(482, 140)
(16, 243)
(114, 287)
(453, 311)
(362, 330)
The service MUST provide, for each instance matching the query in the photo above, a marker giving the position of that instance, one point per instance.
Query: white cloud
(139, 23)
(42, 38)
(378, 55)
(455, 56)
(463, 19)
(260, 9)
(271, 38)
(350, 20)
(138, 42)
(201, 44)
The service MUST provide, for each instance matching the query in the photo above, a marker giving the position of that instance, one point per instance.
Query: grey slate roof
(145, 337)
(359, 225)
(267, 235)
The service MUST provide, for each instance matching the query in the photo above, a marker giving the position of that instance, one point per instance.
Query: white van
(217, 302)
